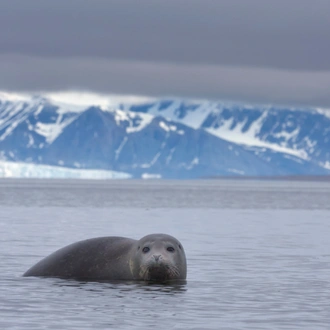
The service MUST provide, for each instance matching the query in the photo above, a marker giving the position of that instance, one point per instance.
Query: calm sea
(258, 254)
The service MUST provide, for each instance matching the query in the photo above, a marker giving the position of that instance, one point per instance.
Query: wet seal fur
(155, 257)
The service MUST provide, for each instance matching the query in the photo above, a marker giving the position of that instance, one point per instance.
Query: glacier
(175, 138)
(25, 170)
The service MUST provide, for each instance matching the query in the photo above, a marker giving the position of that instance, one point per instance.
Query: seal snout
(157, 257)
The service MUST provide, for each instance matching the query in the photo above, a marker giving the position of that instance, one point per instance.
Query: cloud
(291, 34)
(30, 73)
(255, 50)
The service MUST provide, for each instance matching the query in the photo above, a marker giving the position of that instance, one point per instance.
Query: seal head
(159, 257)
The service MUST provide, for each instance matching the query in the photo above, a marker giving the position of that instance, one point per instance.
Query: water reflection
(171, 287)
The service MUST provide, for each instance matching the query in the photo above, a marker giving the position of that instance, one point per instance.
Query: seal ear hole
(170, 249)
(139, 247)
(180, 246)
(146, 249)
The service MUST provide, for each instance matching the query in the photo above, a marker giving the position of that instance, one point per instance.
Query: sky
(264, 51)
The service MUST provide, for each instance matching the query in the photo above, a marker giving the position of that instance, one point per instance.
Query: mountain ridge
(166, 138)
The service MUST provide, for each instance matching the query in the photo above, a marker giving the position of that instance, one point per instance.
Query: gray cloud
(31, 73)
(267, 51)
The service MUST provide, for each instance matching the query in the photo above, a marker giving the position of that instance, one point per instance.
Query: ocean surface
(258, 253)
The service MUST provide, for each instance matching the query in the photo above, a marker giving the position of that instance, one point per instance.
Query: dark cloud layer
(243, 49)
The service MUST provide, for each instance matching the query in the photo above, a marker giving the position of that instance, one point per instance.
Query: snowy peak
(164, 138)
(297, 132)
(294, 131)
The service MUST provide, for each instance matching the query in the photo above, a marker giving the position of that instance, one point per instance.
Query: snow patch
(145, 121)
(166, 127)
(194, 162)
(8, 131)
(120, 116)
(323, 111)
(193, 117)
(233, 170)
(147, 176)
(31, 141)
(326, 165)
(169, 157)
(120, 148)
(286, 135)
(295, 159)
(249, 138)
(52, 131)
(39, 109)
(152, 162)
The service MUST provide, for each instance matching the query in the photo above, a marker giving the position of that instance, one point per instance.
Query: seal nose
(157, 257)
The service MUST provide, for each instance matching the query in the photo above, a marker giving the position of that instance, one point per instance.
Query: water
(258, 254)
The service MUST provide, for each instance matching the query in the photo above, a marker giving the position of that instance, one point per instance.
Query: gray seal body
(155, 257)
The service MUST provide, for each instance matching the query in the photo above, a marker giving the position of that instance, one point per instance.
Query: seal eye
(170, 249)
(145, 249)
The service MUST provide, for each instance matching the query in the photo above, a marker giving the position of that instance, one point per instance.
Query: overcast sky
(247, 50)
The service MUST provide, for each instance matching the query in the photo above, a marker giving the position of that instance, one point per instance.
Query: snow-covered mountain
(304, 133)
(164, 138)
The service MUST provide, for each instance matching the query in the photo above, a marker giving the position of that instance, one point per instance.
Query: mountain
(165, 138)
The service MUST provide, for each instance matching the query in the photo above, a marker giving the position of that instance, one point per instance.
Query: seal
(155, 257)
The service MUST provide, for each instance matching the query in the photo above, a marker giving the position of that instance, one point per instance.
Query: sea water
(258, 253)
